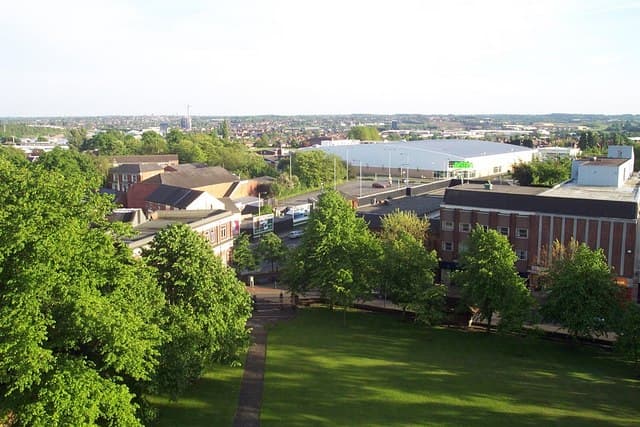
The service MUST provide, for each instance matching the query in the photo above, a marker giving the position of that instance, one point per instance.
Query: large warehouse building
(435, 158)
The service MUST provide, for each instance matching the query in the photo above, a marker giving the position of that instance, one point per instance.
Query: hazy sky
(243, 57)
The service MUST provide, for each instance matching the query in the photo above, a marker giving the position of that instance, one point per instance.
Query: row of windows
(521, 253)
(465, 227)
(125, 177)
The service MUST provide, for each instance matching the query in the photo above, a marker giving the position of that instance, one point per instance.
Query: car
(295, 234)
(379, 185)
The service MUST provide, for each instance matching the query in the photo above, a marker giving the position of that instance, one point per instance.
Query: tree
(271, 248)
(628, 331)
(76, 137)
(71, 162)
(398, 222)
(523, 173)
(206, 307)
(79, 330)
(315, 168)
(224, 131)
(338, 253)
(407, 270)
(581, 293)
(153, 143)
(243, 258)
(490, 280)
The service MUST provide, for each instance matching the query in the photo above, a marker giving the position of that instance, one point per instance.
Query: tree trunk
(489, 316)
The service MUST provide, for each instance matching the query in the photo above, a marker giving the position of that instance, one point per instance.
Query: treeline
(10, 131)
(344, 261)
(190, 147)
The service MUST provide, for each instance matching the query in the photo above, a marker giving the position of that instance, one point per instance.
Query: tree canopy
(338, 253)
(364, 133)
(243, 257)
(542, 172)
(79, 316)
(581, 293)
(398, 222)
(315, 168)
(271, 248)
(490, 280)
(206, 307)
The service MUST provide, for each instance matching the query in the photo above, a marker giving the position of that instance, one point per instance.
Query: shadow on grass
(380, 371)
(211, 401)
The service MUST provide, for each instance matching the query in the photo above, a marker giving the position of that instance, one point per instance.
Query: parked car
(379, 185)
(295, 234)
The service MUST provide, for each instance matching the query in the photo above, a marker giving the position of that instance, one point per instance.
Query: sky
(294, 57)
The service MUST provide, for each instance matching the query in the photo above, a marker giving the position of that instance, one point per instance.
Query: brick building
(598, 207)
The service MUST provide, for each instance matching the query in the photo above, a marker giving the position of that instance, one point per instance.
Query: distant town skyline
(250, 57)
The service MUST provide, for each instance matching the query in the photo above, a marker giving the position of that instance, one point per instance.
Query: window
(485, 227)
(497, 169)
(522, 233)
(447, 246)
(522, 254)
(134, 178)
(465, 227)
(447, 226)
(504, 231)
(223, 231)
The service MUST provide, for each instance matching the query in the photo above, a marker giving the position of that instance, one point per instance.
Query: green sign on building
(460, 164)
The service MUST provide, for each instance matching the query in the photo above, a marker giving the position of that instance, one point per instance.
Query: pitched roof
(134, 168)
(177, 197)
(190, 176)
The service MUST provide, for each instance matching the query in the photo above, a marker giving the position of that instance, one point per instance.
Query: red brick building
(603, 217)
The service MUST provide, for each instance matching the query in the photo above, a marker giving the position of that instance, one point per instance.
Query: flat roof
(566, 199)
(628, 192)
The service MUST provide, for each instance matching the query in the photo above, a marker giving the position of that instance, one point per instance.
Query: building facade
(601, 216)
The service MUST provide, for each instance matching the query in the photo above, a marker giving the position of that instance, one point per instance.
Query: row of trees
(88, 330)
(343, 260)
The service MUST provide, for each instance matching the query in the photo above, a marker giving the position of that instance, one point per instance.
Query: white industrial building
(434, 158)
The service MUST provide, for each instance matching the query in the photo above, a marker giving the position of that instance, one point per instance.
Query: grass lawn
(379, 371)
(211, 401)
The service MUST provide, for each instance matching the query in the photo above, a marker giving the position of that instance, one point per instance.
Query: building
(599, 207)
(218, 227)
(544, 153)
(215, 180)
(122, 177)
(167, 197)
(436, 158)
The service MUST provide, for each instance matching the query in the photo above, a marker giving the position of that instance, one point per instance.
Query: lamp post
(259, 203)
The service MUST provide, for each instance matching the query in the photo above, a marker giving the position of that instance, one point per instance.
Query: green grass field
(379, 371)
(210, 402)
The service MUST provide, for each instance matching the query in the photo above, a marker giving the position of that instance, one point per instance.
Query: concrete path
(269, 308)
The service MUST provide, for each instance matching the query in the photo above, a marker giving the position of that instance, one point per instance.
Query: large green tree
(338, 253)
(206, 307)
(628, 331)
(581, 292)
(407, 270)
(490, 280)
(79, 329)
(315, 168)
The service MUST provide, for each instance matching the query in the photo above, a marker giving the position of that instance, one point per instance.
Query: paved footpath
(269, 308)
